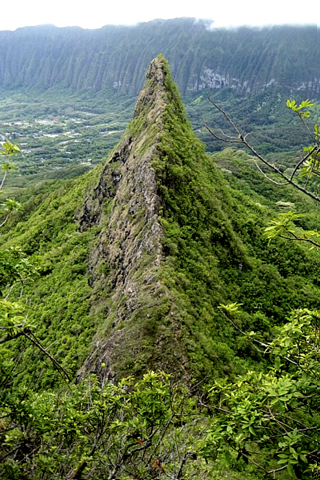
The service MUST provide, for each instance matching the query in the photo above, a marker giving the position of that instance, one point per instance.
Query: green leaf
(9, 148)
(291, 470)
(230, 308)
(277, 363)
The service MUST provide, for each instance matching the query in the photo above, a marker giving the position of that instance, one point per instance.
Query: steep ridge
(133, 262)
(167, 253)
(137, 255)
(244, 60)
(129, 249)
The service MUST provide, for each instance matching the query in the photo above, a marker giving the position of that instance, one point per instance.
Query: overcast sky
(96, 13)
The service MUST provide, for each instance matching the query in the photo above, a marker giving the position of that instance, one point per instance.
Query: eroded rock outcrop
(163, 229)
(125, 261)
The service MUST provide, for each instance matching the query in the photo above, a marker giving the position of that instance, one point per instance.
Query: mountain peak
(154, 86)
(126, 259)
(158, 91)
(157, 210)
(152, 96)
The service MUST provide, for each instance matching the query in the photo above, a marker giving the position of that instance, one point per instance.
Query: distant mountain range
(245, 60)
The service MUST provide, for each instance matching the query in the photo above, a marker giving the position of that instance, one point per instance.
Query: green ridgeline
(213, 252)
(134, 259)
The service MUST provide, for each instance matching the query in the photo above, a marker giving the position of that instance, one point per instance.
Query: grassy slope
(58, 300)
(214, 253)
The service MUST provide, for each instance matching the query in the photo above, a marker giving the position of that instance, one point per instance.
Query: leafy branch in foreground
(14, 324)
(283, 227)
(144, 429)
(8, 150)
(272, 420)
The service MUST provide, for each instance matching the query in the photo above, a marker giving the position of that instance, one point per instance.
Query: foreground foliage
(272, 419)
(144, 429)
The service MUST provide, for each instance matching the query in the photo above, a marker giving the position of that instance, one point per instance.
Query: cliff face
(244, 60)
(138, 254)
(126, 259)
(159, 209)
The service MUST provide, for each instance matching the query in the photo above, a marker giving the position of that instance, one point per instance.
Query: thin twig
(268, 178)
(302, 161)
(36, 342)
(240, 138)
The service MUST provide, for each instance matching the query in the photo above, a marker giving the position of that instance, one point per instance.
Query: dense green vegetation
(67, 289)
(61, 134)
(117, 57)
(271, 418)
(68, 97)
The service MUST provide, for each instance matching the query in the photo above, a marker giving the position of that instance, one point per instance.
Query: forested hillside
(67, 94)
(171, 240)
(140, 266)
(244, 59)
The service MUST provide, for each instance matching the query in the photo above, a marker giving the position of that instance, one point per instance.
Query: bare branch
(3, 179)
(268, 178)
(8, 338)
(273, 472)
(226, 116)
(226, 138)
(300, 239)
(28, 334)
(302, 161)
(242, 139)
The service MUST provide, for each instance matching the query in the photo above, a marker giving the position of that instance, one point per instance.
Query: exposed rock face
(245, 60)
(125, 261)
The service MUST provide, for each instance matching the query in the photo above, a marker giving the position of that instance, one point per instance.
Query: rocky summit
(149, 328)
(138, 254)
